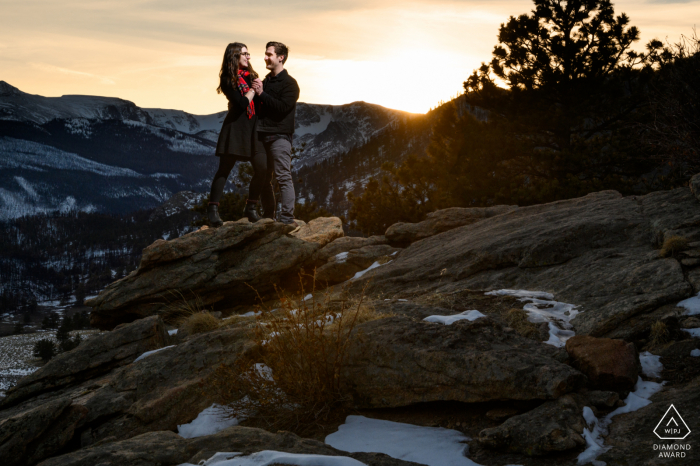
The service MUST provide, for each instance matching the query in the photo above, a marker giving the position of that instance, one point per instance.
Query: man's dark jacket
(237, 135)
(278, 103)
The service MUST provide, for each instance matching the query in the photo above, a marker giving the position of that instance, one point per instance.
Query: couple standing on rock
(258, 129)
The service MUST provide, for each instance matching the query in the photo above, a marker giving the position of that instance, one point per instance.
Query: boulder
(91, 358)
(694, 185)
(552, 427)
(219, 268)
(20, 429)
(403, 234)
(166, 448)
(321, 230)
(398, 361)
(345, 265)
(599, 252)
(609, 364)
(344, 244)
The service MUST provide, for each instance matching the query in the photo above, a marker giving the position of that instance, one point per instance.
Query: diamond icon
(672, 426)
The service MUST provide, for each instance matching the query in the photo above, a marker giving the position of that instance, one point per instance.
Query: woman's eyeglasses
(247, 55)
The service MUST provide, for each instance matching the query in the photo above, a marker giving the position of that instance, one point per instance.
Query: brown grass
(517, 320)
(658, 335)
(179, 307)
(305, 346)
(199, 323)
(673, 245)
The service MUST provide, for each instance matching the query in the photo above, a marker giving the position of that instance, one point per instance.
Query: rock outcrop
(398, 361)
(164, 448)
(93, 358)
(599, 252)
(403, 234)
(220, 267)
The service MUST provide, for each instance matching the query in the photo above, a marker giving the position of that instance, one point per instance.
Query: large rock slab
(159, 392)
(166, 448)
(18, 431)
(220, 267)
(93, 357)
(398, 361)
(599, 252)
(554, 426)
(403, 234)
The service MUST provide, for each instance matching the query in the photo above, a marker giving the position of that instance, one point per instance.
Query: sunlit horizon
(401, 55)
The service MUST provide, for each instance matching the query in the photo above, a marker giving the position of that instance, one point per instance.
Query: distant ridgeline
(100, 154)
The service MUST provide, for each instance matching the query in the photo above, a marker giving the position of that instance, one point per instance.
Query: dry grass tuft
(517, 320)
(658, 335)
(295, 382)
(199, 323)
(179, 308)
(673, 245)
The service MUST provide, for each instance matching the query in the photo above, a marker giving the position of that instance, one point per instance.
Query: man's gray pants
(279, 162)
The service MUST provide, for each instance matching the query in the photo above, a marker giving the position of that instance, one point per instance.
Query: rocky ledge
(533, 323)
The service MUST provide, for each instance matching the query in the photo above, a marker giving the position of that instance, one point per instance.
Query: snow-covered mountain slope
(127, 157)
(20, 106)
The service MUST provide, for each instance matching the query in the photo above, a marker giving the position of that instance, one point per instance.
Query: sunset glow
(403, 55)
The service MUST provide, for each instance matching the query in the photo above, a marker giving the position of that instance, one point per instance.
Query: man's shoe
(213, 216)
(250, 211)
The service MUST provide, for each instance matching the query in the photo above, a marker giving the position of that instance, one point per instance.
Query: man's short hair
(280, 49)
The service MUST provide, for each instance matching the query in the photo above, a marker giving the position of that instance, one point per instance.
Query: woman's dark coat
(238, 131)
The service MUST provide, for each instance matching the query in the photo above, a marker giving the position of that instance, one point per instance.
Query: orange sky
(167, 54)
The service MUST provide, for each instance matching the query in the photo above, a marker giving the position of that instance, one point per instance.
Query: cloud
(79, 74)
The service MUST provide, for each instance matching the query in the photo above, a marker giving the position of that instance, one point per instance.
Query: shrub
(673, 245)
(18, 329)
(44, 349)
(200, 322)
(658, 335)
(295, 381)
(179, 308)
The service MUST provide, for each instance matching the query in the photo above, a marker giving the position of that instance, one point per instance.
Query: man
(276, 100)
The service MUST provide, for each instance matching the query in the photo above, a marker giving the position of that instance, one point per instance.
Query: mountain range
(105, 154)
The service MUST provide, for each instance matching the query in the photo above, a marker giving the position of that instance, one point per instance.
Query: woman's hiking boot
(213, 215)
(250, 211)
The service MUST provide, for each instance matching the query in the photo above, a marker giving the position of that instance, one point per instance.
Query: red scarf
(243, 87)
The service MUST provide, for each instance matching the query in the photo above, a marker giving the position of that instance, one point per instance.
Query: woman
(237, 137)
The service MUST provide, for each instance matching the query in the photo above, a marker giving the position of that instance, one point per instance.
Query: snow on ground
(449, 320)
(16, 355)
(542, 308)
(651, 364)
(172, 332)
(433, 446)
(598, 428)
(269, 458)
(692, 305)
(694, 332)
(148, 353)
(695, 353)
(16, 358)
(208, 422)
(362, 272)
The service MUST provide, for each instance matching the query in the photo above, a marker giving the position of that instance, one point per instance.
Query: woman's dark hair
(229, 66)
